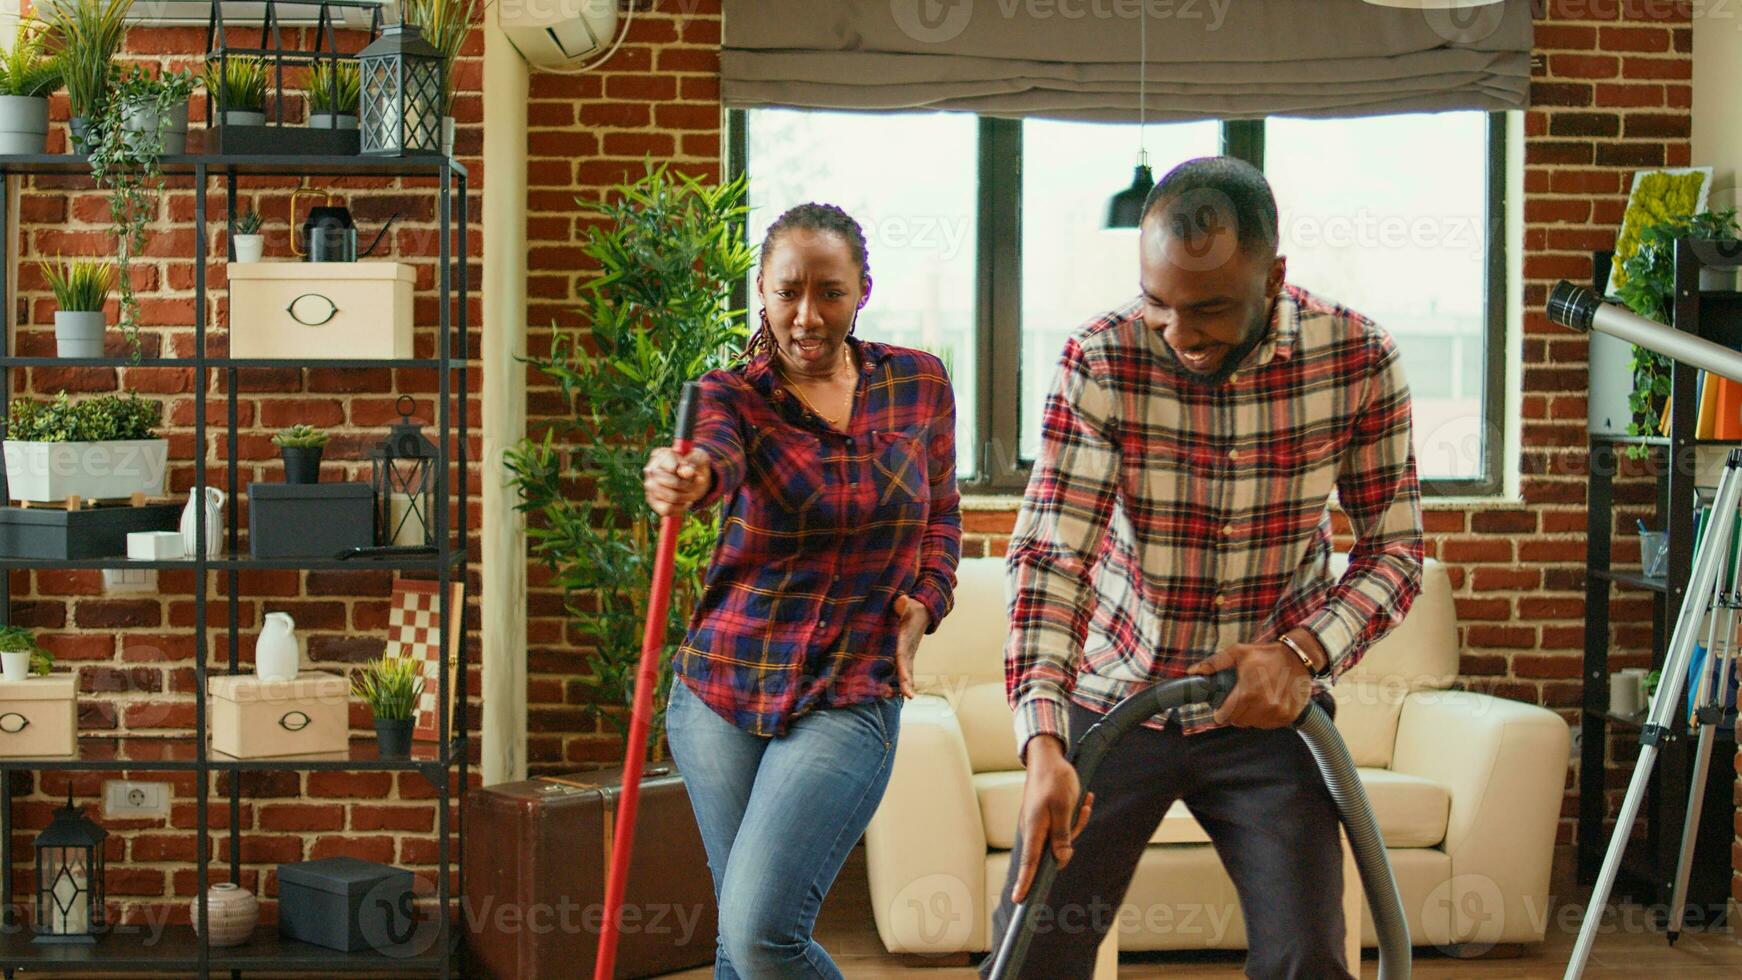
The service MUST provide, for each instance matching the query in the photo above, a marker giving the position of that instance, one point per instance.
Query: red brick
(371, 847)
(1670, 68)
(373, 785)
(1583, 65)
(1632, 39)
(1625, 95)
(420, 818)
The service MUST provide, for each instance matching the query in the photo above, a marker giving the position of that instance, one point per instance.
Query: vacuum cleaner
(1335, 765)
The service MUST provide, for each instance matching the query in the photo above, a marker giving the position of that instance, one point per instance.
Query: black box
(309, 520)
(287, 140)
(95, 532)
(345, 903)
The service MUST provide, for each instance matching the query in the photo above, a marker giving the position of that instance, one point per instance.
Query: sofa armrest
(925, 848)
(1504, 764)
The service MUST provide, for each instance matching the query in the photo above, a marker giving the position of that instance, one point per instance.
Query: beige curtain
(1078, 59)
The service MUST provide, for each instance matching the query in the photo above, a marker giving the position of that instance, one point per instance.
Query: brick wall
(135, 654)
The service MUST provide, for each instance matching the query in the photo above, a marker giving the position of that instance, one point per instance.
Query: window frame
(999, 467)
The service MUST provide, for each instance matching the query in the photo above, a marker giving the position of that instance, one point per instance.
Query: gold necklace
(834, 421)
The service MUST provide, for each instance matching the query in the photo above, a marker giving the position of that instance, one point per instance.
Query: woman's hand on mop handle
(1048, 791)
(1272, 687)
(673, 482)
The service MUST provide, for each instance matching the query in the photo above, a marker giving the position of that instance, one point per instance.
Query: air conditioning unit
(345, 15)
(558, 33)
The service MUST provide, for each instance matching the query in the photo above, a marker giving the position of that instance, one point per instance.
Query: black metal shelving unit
(177, 949)
(1648, 869)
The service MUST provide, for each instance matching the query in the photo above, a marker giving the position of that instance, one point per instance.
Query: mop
(646, 679)
(1335, 765)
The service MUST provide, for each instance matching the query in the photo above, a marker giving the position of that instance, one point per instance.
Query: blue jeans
(777, 818)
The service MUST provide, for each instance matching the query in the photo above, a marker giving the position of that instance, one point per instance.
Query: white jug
(214, 511)
(275, 653)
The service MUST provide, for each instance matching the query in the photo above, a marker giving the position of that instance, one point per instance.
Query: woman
(836, 461)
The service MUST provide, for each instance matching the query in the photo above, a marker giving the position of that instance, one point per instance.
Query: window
(987, 248)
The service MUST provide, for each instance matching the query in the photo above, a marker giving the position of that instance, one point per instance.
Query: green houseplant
(29, 74)
(20, 656)
(154, 109)
(1647, 286)
(334, 88)
(101, 448)
(445, 24)
(81, 290)
(670, 248)
(300, 447)
(390, 686)
(85, 36)
(249, 244)
(237, 86)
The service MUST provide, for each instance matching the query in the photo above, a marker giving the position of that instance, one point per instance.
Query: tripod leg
(1690, 832)
(1667, 716)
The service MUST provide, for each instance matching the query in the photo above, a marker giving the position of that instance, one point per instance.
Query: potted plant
(28, 75)
(390, 686)
(154, 111)
(645, 330)
(300, 447)
(85, 36)
(237, 84)
(101, 448)
(249, 243)
(445, 24)
(20, 656)
(81, 290)
(334, 89)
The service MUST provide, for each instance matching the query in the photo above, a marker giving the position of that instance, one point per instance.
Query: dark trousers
(1258, 795)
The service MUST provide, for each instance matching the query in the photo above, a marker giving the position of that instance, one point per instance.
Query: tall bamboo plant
(445, 24)
(669, 249)
(85, 36)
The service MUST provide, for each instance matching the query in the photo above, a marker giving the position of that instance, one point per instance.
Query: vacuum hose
(1335, 764)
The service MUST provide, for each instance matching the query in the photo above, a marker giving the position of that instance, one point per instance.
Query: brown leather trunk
(536, 854)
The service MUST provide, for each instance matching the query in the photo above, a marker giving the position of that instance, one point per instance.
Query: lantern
(401, 110)
(69, 878)
(404, 482)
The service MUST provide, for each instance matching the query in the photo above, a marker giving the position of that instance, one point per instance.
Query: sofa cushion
(1412, 811)
(1421, 653)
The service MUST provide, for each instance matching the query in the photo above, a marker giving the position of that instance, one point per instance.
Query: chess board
(414, 630)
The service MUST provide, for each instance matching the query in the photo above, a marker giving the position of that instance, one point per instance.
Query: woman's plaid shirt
(820, 532)
(1167, 519)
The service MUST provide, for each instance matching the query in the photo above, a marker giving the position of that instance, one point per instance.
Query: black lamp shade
(401, 100)
(1125, 210)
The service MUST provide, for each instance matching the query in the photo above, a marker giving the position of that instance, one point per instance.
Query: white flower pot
(79, 333)
(23, 124)
(326, 120)
(15, 665)
(48, 472)
(249, 248)
(244, 117)
(175, 129)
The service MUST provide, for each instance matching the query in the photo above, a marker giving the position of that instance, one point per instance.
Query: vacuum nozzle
(1573, 306)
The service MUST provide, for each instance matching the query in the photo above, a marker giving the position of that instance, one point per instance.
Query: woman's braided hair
(808, 217)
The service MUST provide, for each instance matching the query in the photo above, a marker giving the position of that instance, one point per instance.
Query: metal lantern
(404, 481)
(401, 111)
(69, 877)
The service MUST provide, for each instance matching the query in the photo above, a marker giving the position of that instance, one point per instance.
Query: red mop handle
(646, 679)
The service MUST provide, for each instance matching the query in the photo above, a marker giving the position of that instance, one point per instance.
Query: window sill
(997, 502)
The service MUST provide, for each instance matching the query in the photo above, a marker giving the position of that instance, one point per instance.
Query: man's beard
(1255, 335)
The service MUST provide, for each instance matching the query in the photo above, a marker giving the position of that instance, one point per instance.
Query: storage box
(314, 311)
(309, 520)
(39, 716)
(229, 139)
(346, 903)
(95, 532)
(50, 472)
(253, 719)
(155, 545)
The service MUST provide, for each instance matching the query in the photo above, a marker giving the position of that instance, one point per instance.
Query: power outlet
(128, 800)
(122, 580)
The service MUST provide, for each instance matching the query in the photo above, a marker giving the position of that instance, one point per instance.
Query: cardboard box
(255, 719)
(313, 311)
(39, 716)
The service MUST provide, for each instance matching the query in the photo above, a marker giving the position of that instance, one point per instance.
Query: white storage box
(320, 310)
(254, 718)
(39, 716)
(50, 472)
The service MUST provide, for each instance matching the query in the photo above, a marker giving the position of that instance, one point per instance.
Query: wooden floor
(846, 930)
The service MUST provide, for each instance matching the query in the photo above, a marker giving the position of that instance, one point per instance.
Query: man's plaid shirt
(1167, 519)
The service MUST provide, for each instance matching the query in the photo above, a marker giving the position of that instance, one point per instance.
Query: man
(1177, 522)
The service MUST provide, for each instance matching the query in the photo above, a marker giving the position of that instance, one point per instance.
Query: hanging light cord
(1142, 66)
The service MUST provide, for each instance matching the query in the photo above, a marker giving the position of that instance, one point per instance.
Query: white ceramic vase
(275, 652)
(214, 514)
(231, 914)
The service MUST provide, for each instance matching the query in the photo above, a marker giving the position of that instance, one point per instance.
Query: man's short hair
(1207, 194)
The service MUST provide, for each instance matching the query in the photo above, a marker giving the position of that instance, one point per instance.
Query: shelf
(310, 364)
(129, 752)
(362, 757)
(1629, 440)
(1634, 580)
(1726, 733)
(68, 164)
(138, 947)
(413, 563)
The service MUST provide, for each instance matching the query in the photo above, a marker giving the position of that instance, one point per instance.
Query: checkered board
(414, 630)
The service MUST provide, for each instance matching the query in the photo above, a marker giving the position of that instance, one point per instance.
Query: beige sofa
(1467, 789)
